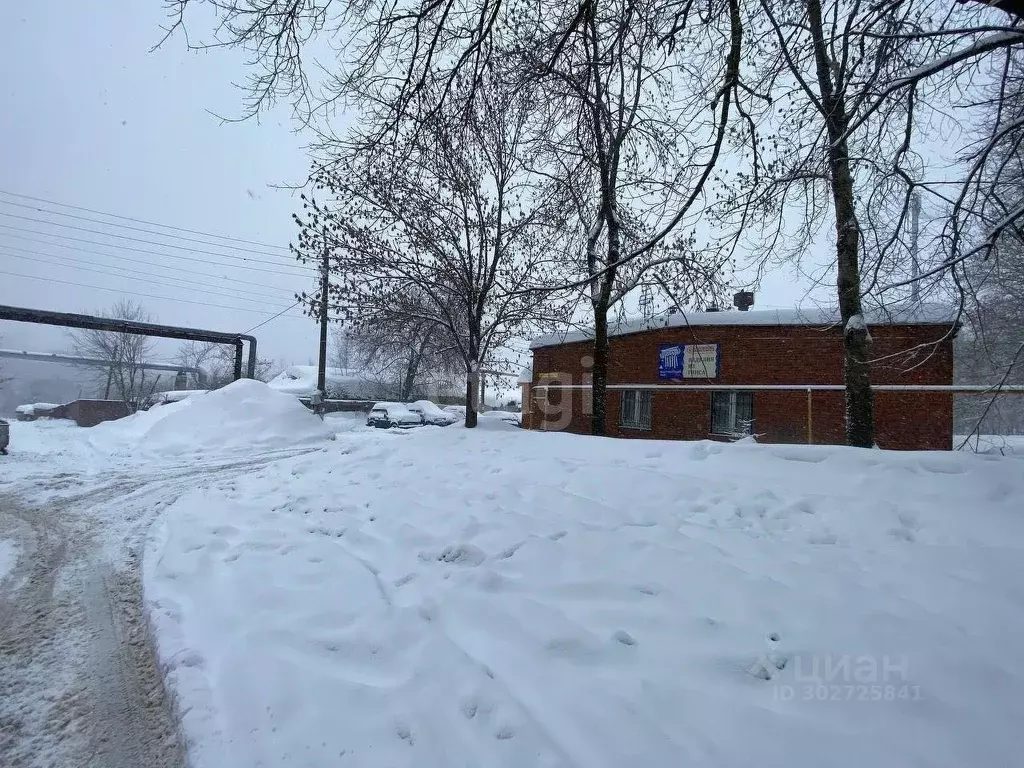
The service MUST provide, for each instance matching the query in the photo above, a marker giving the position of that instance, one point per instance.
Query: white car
(506, 416)
(458, 411)
(389, 415)
(432, 414)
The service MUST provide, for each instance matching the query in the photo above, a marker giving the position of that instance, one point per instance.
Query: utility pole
(321, 374)
(915, 266)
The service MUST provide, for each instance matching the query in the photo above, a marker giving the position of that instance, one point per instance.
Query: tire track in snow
(79, 681)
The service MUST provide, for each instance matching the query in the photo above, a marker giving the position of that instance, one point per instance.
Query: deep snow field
(495, 597)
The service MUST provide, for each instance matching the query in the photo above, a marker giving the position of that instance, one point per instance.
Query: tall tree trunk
(599, 384)
(860, 411)
(472, 380)
(602, 349)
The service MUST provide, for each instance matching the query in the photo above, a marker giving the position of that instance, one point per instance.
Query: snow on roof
(30, 408)
(918, 314)
(526, 375)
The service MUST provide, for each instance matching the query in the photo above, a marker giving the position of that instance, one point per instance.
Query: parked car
(506, 416)
(5, 437)
(455, 410)
(388, 415)
(431, 414)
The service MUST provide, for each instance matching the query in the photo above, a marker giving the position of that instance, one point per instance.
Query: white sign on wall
(688, 361)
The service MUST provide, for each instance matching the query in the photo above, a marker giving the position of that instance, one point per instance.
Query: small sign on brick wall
(688, 361)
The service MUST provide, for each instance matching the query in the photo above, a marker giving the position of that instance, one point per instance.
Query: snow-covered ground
(499, 597)
(79, 679)
(496, 597)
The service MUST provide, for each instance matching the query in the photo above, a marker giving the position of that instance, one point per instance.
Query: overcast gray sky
(93, 119)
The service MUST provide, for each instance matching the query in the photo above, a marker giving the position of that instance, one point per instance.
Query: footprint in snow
(771, 661)
(624, 637)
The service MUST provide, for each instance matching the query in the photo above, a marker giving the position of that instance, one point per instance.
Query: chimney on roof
(743, 300)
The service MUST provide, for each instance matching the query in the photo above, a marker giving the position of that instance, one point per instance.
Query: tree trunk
(602, 350)
(471, 391)
(860, 412)
(599, 385)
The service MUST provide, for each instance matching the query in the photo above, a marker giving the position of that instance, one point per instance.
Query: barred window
(732, 413)
(636, 409)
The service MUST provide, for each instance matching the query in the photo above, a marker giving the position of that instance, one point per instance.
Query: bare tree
(385, 54)
(637, 96)
(125, 376)
(853, 90)
(216, 363)
(395, 344)
(446, 231)
(991, 348)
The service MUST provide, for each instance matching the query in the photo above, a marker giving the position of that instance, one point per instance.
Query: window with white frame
(636, 409)
(732, 413)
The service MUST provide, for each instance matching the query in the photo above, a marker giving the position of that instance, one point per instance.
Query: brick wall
(89, 413)
(765, 355)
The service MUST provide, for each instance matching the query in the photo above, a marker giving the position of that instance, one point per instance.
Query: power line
(38, 209)
(144, 295)
(139, 240)
(77, 250)
(138, 221)
(127, 275)
(137, 250)
(269, 319)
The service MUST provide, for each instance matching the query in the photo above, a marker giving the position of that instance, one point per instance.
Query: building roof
(905, 314)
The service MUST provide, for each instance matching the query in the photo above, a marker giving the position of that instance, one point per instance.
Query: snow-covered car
(455, 410)
(5, 437)
(431, 414)
(388, 415)
(171, 396)
(506, 416)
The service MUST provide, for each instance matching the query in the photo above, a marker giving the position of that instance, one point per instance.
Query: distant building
(775, 374)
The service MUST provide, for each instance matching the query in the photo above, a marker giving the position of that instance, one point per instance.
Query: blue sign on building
(670, 361)
(689, 361)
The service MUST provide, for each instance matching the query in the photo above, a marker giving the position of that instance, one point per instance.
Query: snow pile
(244, 415)
(133, 428)
(500, 597)
(49, 447)
(300, 380)
(173, 396)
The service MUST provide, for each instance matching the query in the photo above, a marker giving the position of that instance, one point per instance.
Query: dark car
(389, 415)
(5, 437)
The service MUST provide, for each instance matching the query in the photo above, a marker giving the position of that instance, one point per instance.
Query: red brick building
(775, 374)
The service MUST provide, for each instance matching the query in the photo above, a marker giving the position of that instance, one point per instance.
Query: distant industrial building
(777, 375)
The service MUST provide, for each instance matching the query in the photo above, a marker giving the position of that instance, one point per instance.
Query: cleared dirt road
(78, 681)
